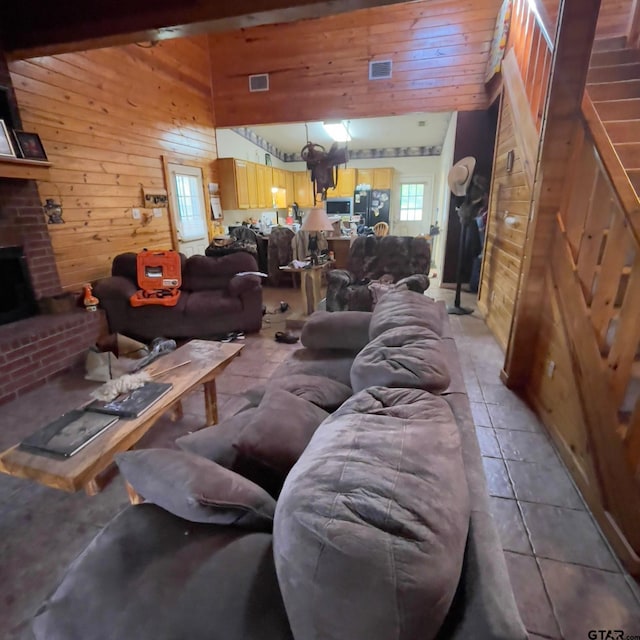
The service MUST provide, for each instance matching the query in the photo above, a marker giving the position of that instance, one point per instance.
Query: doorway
(413, 215)
(188, 208)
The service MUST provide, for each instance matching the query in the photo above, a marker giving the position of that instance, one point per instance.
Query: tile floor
(565, 578)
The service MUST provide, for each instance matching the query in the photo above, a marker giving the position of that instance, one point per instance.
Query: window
(411, 202)
(189, 198)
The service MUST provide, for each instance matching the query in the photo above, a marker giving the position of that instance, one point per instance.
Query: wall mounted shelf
(24, 169)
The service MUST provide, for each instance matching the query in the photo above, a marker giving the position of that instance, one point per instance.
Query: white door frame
(171, 200)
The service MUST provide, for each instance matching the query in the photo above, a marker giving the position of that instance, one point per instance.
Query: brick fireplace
(34, 349)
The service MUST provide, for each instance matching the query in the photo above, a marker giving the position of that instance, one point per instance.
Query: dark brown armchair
(403, 260)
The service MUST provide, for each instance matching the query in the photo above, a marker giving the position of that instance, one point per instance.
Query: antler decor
(323, 166)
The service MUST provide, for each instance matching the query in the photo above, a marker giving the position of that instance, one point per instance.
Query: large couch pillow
(409, 357)
(317, 362)
(216, 443)
(347, 330)
(371, 525)
(401, 308)
(196, 489)
(326, 393)
(279, 431)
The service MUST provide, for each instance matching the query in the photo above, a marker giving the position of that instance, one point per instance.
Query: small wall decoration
(30, 145)
(216, 207)
(53, 211)
(155, 198)
(6, 148)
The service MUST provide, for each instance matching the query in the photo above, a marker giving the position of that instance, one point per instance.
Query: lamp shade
(316, 220)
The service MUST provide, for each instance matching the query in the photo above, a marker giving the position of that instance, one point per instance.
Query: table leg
(305, 292)
(317, 288)
(176, 413)
(134, 496)
(211, 402)
(92, 488)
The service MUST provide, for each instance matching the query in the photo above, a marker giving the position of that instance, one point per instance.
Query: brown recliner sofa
(214, 300)
(398, 259)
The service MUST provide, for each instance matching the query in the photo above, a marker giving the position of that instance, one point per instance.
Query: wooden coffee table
(80, 471)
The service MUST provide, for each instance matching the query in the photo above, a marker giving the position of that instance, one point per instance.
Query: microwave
(339, 206)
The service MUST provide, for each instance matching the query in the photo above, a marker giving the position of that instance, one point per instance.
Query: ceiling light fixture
(337, 131)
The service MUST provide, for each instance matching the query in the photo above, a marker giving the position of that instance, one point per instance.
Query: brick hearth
(34, 350)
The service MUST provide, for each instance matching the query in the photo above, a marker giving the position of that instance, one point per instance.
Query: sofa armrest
(239, 285)
(338, 280)
(339, 277)
(114, 288)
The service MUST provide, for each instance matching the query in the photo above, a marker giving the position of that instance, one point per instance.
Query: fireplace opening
(16, 294)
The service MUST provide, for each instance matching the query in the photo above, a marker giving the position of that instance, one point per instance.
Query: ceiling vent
(380, 70)
(259, 82)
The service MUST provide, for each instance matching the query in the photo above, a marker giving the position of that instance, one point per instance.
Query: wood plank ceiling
(319, 68)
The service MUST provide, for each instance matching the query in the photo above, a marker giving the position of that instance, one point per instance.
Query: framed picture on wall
(30, 146)
(6, 148)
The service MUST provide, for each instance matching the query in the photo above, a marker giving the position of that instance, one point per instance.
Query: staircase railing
(633, 36)
(594, 264)
(533, 47)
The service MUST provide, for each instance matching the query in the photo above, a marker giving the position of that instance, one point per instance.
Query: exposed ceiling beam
(30, 28)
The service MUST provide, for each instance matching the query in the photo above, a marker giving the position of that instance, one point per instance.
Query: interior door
(188, 208)
(411, 215)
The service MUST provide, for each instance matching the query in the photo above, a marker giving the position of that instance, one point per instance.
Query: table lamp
(316, 220)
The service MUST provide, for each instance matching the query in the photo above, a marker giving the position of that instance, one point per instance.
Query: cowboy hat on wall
(460, 175)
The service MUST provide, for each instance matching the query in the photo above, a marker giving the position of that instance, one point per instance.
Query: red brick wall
(35, 350)
(23, 223)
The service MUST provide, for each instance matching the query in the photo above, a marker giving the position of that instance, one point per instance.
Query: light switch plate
(157, 213)
(136, 214)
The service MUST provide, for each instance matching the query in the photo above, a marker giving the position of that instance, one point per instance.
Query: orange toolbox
(159, 278)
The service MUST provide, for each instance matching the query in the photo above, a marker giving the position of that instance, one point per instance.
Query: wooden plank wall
(105, 118)
(613, 20)
(510, 198)
(319, 68)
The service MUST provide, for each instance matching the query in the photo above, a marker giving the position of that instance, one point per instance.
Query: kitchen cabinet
(252, 184)
(378, 178)
(346, 184)
(279, 179)
(383, 178)
(303, 189)
(261, 175)
(291, 191)
(234, 183)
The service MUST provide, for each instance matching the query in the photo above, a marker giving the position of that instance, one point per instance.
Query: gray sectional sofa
(346, 500)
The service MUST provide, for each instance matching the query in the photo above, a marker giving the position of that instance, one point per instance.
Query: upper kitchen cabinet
(234, 183)
(279, 179)
(265, 196)
(346, 184)
(290, 187)
(252, 185)
(303, 189)
(376, 178)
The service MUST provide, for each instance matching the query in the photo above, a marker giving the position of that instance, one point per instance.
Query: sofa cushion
(151, 576)
(317, 362)
(324, 392)
(203, 273)
(409, 357)
(402, 308)
(201, 305)
(348, 330)
(216, 443)
(280, 429)
(196, 489)
(371, 524)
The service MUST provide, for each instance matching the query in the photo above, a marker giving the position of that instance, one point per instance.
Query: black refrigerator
(372, 205)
